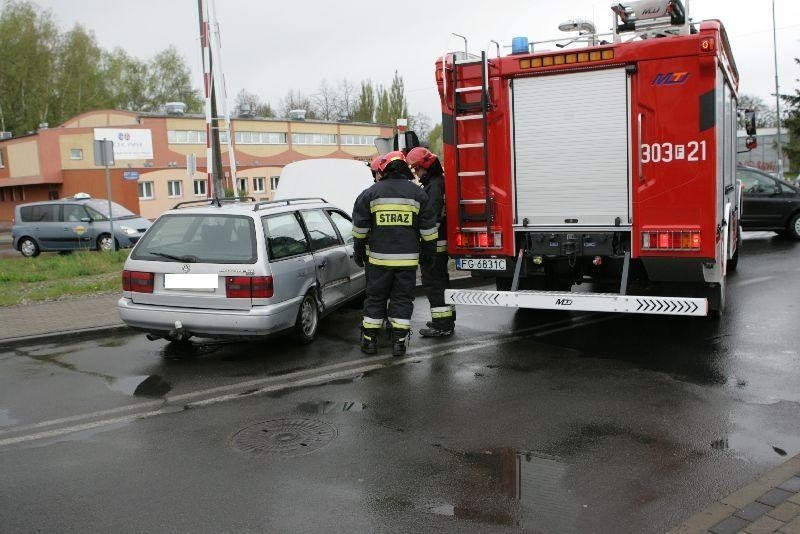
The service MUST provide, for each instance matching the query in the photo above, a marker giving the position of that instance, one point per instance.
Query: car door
(76, 226)
(762, 205)
(331, 259)
(290, 261)
(343, 223)
(47, 227)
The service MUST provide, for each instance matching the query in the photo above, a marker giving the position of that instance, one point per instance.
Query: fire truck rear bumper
(595, 302)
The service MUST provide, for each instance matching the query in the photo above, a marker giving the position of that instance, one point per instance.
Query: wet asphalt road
(536, 421)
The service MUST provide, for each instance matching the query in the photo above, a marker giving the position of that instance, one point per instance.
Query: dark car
(769, 203)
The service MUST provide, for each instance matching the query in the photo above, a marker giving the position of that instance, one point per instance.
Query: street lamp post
(777, 94)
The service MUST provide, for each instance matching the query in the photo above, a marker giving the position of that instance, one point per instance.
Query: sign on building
(128, 143)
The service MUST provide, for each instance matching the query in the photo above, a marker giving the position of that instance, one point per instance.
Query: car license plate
(191, 281)
(481, 264)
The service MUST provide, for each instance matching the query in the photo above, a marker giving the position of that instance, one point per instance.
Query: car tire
(307, 323)
(793, 230)
(28, 247)
(104, 243)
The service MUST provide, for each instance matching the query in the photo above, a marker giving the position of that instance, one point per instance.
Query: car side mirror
(86, 219)
(750, 121)
(750, 142)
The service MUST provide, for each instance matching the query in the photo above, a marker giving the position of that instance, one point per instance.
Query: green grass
(52, 276)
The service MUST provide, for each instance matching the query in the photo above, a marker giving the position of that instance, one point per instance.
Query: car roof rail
(287, 201)
(211, 201)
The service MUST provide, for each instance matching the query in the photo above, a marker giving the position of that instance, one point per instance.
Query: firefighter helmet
(421, 157)
(373, 166)
(386, 159)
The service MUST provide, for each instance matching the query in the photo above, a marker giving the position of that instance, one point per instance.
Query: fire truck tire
(733, 263)
(716, 300)
(793, 231)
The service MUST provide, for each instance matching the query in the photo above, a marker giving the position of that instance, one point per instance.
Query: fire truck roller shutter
(571, 148)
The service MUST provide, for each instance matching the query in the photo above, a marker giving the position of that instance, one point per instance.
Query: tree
(792, 123)
(126, 80)
(169, 80)
(346, 102)
(324, 102)
(435, 140)
(297, 100)
(251, 101)
(365, 108)
(383, 113)
(79, 81)
(421, 124)
(398, 107)
(766, 116)
(28, 40)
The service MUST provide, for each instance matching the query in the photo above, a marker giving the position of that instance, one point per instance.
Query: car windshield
(199, 238)
(101, 206)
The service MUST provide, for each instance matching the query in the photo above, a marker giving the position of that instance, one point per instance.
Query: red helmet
(375, 162)
(386, 159)
(421, 157)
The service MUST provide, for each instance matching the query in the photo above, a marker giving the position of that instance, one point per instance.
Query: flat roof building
(151, 152)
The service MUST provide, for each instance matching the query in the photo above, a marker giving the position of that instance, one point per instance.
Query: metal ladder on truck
(464, 110)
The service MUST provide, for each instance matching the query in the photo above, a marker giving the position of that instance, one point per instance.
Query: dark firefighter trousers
(396, 286)
(435, 279)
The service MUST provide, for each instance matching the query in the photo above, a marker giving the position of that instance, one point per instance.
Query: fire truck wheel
(794, 227)
(716, 300)
(733, 263)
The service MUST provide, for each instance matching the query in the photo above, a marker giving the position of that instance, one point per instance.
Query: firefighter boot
(399, 341)
(437, 329)
(369, 340)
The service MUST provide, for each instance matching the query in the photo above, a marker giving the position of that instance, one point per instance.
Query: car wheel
(793, 230)
(104, 243)
(305, 328)
(28, 247)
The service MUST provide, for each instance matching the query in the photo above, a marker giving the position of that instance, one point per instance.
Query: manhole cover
(284, 437)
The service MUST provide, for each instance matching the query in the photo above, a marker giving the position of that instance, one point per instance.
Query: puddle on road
(507, 487)
(321, 407)
(6, 419)
(141, 386)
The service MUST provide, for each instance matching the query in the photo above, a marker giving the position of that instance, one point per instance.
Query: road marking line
(755, 280)
(292, 380)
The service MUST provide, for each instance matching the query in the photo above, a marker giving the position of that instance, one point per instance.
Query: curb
(457, 282)
(774, 495)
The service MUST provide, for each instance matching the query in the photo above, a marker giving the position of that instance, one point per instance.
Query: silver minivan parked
(240, 270)
(73, 223)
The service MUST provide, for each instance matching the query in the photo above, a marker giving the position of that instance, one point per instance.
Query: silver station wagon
(240, 270)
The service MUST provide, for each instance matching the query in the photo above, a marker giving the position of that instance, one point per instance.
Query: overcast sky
(270, 46)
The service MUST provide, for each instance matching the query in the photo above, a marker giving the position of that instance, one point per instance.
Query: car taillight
(245, 287)
(479, 239)
(671, 239)
(138, 281)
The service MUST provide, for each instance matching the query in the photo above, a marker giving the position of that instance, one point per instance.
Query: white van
(338, 181)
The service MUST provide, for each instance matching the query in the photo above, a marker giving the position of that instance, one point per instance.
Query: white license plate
(191, 281)
(481, 264)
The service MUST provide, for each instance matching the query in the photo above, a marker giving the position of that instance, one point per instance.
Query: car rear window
(40, 213)
(199, 239)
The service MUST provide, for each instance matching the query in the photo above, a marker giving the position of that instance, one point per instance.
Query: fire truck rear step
(592, 302)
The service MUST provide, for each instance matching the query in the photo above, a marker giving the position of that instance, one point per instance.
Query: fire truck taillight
(479, 239)
(708, 45)
(671, 240)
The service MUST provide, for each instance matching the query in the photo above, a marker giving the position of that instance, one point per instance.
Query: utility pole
(777, 94)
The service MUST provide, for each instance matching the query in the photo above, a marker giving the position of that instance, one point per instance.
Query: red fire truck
(610, 163)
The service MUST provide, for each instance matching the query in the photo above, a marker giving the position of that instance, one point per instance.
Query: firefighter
(394, 217)
(435, 277)
(373, 167)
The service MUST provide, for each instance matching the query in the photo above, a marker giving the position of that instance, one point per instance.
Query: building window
(358, 140)
(2, 164)
(174, 188)
(273, 182)
(52, 194)
(260, 138)
(313, 139)
(146, 191)
(258, 185)
(199, 188)
(75, 153)
(186, 137)
(241, 185)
